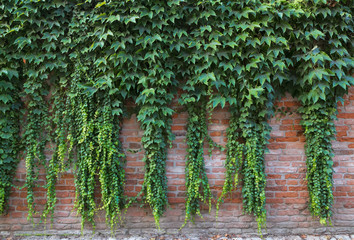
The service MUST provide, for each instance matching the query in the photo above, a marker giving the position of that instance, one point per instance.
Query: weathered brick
(346, 115)
(276, 145)
(286, 192)
(287, 139)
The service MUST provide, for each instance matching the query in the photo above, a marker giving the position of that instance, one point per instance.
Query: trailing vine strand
(319, 132)
(57, 163)
(197, 184)
(234, 160)
(10, 104)
(324, 65)
(262, 65)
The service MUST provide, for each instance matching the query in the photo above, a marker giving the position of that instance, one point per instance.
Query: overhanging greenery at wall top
(87, 58)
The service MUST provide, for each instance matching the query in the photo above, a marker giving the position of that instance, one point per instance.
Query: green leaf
(255, 92)
(5, 98)
(100, 4)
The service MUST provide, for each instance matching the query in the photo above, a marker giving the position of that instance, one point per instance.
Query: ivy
(197, 67)
(234, 160)
(95, 112)
(76, 64)
(323, 66)
(197, 184)
(155, 86)
(41, 58)
(319, 131)
(261, 66)
(95, 137)
(57, 163)
(10, 105)
(9, 133)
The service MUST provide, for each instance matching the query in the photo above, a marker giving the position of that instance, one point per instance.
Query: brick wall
(286, 192)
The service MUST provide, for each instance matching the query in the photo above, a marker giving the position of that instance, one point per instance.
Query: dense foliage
(197, 184)
(10, 84)
(76, 64)
(324, 64)
(263, 64)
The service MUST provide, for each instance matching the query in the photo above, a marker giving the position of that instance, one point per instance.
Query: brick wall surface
(287, 196)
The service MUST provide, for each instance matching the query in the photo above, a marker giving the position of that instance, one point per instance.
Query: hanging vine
(10, 104)
(323, 67)
(197, 184)
(319, 132)
(96, 111)
(198, 65)
(95, 137)
(57, 163)
(9, 132)
(87, 58)
(59, 115)
(152, 70)
(234, 160)
(260, 68)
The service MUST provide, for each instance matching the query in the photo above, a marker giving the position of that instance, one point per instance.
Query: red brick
(225, 121)
(62, 214)
(292, 182)
(218, 170)
(66, 188)
(277, 188)
(287, 139)
(290, 127)
(134, 139)
(346, 115)
(16, 227)
(342, 189)
(346, 139)
(292, 104)
(65, 201)
(177, 128)
(273, 176)
(295, 200)
(213, 134)
(292, 176)
(341, 133)
(342, 128)
(291, 133)
(286, 194)
(176, 200)
(276, 145)
(17, 214)
(274, 200)
(287, 121)
(288, 212)
(300, 188)
(21, 208)
(280, 182)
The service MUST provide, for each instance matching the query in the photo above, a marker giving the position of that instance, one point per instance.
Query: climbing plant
(234, 160)
(322, 53)
(197, 184)
(155, 85)
(9, 133)
(261, 67)
(95, 136)
(78, 63)
(10, 106)
(198, 69)
(95, 112)
(59, 122)
(36, 72)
